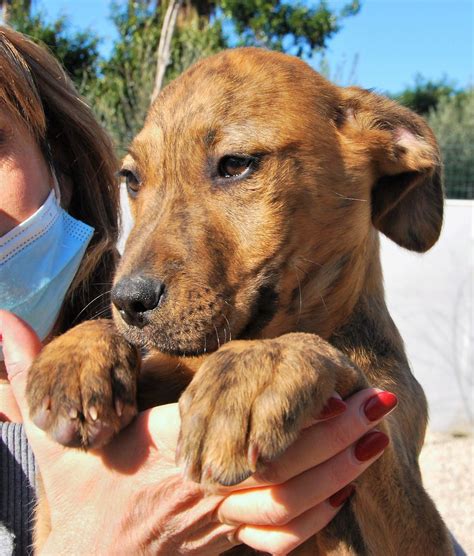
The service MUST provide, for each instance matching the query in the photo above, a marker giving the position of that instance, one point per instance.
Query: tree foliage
(453, 124)
(77, 50)
(450, 113)
(281, 25)
(425, 94)
(121, 96)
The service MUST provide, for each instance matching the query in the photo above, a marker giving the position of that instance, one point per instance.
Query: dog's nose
(134, 296)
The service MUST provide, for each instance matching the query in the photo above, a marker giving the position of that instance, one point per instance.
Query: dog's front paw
(249, 401)
(82, 387)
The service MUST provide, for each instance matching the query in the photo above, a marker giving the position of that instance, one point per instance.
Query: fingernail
(341, 496)
(333, 407)
(379, 405)
(370, 445)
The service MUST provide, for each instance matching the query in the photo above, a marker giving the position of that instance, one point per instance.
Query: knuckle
(341, 435)
(339, 475)
(277, 515)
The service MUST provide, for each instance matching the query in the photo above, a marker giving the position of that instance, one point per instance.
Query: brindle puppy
(253, 273)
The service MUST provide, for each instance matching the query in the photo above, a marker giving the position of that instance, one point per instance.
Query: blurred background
(419, 52)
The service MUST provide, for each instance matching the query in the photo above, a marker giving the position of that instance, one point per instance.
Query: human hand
(130, 496)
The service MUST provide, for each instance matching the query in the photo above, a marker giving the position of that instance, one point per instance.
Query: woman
(58, 231)
(41, 114)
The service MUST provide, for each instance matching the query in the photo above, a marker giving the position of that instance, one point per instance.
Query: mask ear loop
(49, 156)
(57, 191)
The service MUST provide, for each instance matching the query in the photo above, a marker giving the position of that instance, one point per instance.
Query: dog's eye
(235, 166)
(131, 181)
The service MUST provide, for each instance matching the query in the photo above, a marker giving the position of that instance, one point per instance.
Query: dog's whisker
(104, 311)
(348, 198)
(90, 303)
(217, 336)
(324, 303)
(309, 261)
(101, 309)
(299, 293)
(228, 325)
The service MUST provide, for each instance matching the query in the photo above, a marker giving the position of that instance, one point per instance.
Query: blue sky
(387, 43)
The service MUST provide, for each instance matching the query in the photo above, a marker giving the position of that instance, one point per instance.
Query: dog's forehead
(242, 100)
(237, 88)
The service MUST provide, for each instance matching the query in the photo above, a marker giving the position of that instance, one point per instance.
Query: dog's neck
(326, 297)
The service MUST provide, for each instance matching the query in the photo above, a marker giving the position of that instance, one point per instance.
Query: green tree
(453, 124)
(282, 25)
(121, 96)
(77, 50)
(425, 94)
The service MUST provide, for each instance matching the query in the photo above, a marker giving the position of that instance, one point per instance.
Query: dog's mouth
(201, 327)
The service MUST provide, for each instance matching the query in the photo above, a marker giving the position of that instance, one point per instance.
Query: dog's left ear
(404, 163)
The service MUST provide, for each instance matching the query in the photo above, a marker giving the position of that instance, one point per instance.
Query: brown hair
(35, 88)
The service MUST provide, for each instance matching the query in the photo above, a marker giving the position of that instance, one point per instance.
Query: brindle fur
(274, 294)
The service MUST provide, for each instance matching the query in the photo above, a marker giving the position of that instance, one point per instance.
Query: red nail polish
(341, 496)
(333, 407)
(379, 405)
(370, 445)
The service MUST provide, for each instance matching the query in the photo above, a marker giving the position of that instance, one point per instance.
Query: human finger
(282, 540)
(279, 504)
(322, 441)
(20, 346)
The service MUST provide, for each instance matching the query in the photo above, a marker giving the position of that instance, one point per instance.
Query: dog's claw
(93, 413)
(73, 413)
(252, 456)
(119, 407)
(128, 413)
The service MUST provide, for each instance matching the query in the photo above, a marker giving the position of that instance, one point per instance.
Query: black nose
(134, 296)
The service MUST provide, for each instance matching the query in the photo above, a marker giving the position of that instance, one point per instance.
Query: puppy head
(254, 184)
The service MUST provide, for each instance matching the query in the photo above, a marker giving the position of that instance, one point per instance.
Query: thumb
(20, 346)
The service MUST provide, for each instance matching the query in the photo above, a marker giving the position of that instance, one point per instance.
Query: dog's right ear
(400, 153)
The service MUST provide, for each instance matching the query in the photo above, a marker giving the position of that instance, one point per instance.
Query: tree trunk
(4, 11)
(164, 47)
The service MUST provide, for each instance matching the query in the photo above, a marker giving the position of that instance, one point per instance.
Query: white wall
(430, 297)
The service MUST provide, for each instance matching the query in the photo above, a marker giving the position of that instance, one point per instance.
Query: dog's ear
(404, 163)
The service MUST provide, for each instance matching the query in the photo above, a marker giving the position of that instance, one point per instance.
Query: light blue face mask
(38, 261)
